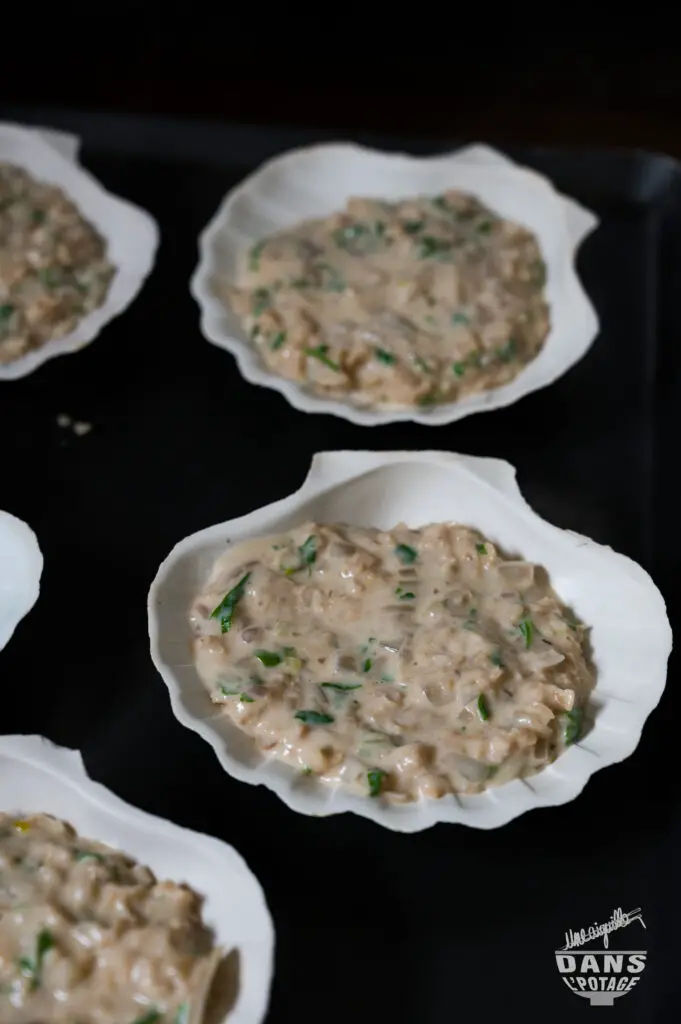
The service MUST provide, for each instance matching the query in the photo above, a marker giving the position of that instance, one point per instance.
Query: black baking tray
(371, 925)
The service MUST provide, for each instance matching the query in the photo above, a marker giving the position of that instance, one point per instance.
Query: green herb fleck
(225, 610)
(431, 246)
(255, 254)
(481, 549)
(81, 855)
(320, 353)
(367, 665)
(32, 968)
(341, 687)
(261, 300)
(459, 318)
(246, 699)
(278, 340)
(484, 227)
(429, 399)
(573, 726)
(441, 203)
(496, 659)
(308, 550)
(301, 282)
(384, 357)
(406, 554)
(508, 352)
(306, 771)
(539, 269)
(379, 228)
(412, 227)
(228, 693)
(6, 312)
(375, 778)
(344, 237)
(483, 709)
(408, 596)
(149, 1018)
(268, 658)
(49, 277)
(314, 717)
(459, 369)
(182, 1015)
(526, 630)
(38, 216)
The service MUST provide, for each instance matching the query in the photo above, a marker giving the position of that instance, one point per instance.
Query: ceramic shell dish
(606, 590)
(315, 182)
(130, 232)
(36, 776)
(21, 566)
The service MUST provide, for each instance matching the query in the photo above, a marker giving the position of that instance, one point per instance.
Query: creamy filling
(53, 264)
(88, 936)
(396, 304)
(408, 663)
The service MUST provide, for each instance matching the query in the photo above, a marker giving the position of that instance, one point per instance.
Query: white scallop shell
(316, 181)
(131, 233)
(630, 636)
(21, 566)
(37, 776)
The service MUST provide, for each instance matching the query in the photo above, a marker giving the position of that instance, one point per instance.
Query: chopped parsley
(246, 699)
(408, 596)
(345, 237)
(431, 246)
(340, 687)
(308, 550)
(32, 967)
(429, 399)
(459, 369)
(376, 777)
(483, 709)
(314, 717)
(268, 658)
(151, 1017)
(6, 312)
(379, 228)
(484, 227)
(508, 352)
(526, 630)
(255, 254)
(320, 353)
(459, 318)
(412, 227)
(225, 610)
(384, 357)
(88, 855)
(496, 659)
(573, 726)
(406, 554)
(441, 203)
(261, 300)
(182, 1015)
(278, 340)
(481, 549)
(367, 665)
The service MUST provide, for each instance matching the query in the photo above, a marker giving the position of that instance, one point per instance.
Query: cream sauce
(88, 936)
(53, 265)
(396, 304)
(411, 663)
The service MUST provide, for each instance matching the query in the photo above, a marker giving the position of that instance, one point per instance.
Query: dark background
(370, 926)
